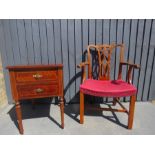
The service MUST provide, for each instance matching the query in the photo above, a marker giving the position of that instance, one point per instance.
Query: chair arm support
(82, 65)
(129, 75)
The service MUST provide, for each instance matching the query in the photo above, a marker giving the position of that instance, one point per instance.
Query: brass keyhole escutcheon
(37, 76)
(39, 90)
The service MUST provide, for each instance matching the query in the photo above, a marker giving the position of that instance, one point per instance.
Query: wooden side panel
(106, 31)
(72, 61)
(132, 46)
(133, 40)
(145, 51)
(65, 53)
(78, 55)
(60, 82)
(92, 35)
(140, 39)
(13, 85)
(29, 41)
(85, 37)
(22, 41)
(64, 41)
(57, 42)
(15, 41)
(43, 41)
(152, 81)
(36, 41)
(149, 65)
(99, 31)
(126, 41)
(85, 34)
(50, 41)
(8, 42)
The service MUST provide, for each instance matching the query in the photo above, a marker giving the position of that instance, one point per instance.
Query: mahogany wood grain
(33, 76)
(19, 117)
(37, 90)
(36, 81)
(32, 67)
(131, 111)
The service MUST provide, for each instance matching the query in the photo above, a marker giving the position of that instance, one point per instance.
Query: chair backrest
(100, 57)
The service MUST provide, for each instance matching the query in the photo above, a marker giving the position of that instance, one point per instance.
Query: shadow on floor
(40, 108)
(73, 112)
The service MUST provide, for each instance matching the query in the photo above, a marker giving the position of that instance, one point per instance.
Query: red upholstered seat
(114, 88)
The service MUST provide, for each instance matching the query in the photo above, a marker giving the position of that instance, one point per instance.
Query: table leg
(62, 111)
(19, 117)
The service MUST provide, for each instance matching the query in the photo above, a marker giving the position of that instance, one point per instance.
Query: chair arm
(131, 66)
(82, 65)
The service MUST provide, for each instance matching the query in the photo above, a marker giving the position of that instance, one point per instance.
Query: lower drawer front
(34, 91)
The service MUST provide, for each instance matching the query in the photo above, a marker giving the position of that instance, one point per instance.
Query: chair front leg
(131, 111)
(81, 107)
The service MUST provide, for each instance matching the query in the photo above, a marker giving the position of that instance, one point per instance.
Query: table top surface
(18, 67)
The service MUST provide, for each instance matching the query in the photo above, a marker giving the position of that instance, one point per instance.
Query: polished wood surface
(32, 67)
(33, 76)
(36, 81)
(103, 53)
(103, 59)
(19, 117)
(37, 90)
(131, 111)
(81, 107)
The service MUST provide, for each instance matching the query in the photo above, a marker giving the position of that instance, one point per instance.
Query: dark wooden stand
(37, 81)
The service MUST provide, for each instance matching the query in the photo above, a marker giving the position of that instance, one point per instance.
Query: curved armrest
(82, 65)
(131, 66)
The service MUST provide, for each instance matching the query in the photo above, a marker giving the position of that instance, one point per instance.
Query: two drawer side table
(36, 81)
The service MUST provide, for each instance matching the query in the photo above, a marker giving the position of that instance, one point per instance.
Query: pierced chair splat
(101, 85)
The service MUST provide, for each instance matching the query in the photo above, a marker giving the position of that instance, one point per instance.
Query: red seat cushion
(114, 88)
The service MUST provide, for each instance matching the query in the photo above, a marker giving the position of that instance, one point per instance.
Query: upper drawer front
(32, 76)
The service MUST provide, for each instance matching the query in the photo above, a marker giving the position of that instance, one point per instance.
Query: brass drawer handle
(37, 76)
(39, 90)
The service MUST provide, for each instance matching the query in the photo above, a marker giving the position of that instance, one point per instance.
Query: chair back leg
(131, 111)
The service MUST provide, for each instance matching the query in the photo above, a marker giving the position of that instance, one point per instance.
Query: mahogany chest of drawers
(37, 81)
